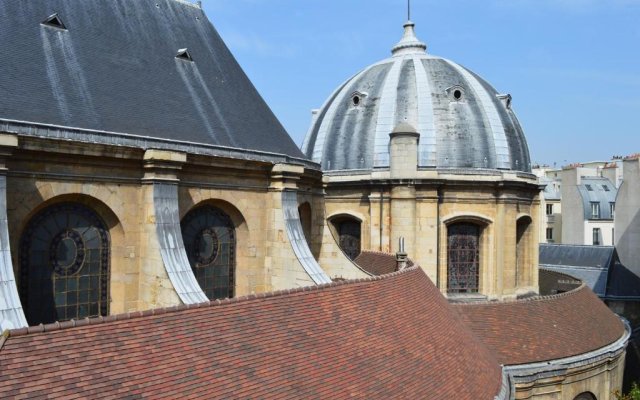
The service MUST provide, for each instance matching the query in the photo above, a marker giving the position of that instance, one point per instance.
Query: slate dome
(463, 122)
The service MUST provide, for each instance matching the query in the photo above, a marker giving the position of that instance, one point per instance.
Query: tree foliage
(634, 393)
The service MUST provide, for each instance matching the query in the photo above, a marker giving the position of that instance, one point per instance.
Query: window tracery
(64, 264)
(210, 242)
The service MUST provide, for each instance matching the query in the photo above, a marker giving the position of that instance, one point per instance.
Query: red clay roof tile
(381, 338)
(544, 328)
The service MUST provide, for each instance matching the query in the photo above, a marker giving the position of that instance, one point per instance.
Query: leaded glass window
(349, 236)
(463, 250)
(64, 265)
(210, 241)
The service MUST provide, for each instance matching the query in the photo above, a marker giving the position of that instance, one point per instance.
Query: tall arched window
(64, 265)
(210, 241)
(585, 396)
(348, 230)
(463, 255)
(304, 210)
(523, 258)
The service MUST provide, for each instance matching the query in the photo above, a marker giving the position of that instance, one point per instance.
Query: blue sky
(572, 66)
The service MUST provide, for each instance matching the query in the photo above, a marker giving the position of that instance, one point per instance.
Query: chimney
(401, 256)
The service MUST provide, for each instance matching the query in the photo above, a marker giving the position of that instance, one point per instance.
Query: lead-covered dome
(462, 120)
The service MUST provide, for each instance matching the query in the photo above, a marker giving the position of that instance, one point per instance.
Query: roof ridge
(71, 324)
(527, 300)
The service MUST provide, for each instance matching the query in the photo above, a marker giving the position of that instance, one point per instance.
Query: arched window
(523, 258)
(210, 241)
(304, 210)
(348, 232)
(463, 255)
(585, 396)
(64, 265)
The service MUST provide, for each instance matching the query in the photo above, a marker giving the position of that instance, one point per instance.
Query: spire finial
(409, 44)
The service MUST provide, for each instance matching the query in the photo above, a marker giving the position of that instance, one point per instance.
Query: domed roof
(462, 120)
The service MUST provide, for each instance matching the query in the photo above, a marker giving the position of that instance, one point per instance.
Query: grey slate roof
(597, 194)
(598, 266)
(115, 69)
(477, 131)
(550, 192)
(590, 264)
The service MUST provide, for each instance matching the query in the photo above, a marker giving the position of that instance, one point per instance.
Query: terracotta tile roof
(543, 328)
(378, 263)
(377, 338)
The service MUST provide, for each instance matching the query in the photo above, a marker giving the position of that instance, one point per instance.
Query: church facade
(147, 188)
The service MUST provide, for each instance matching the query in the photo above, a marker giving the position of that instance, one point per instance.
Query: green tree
(634, 393)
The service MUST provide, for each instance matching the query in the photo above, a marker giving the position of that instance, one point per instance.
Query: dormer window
(357, 98)
(183, 54)
(595, 210)
(505, 99)
(54, 21)
(589, 188)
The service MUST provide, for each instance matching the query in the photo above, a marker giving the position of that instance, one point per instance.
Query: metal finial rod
(408, 10)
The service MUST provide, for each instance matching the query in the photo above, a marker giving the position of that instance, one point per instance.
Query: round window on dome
(357, 98)
(456, 93)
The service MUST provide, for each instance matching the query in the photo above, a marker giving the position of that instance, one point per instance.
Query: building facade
(162, 235)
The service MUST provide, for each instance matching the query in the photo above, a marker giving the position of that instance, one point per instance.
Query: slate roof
(589, 264)
(479, 130)
(597, 194)
(544, 328)
(378, 338)
(549, 192)
(114, 70)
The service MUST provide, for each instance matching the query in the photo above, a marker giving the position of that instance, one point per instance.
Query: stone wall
(420, 211)
(118, 184)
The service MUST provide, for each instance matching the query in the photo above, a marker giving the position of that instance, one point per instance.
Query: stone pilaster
(403, 151)
(289, 262)
(166, 277)
(403, 216)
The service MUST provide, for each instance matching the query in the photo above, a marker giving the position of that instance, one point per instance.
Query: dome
(463, 122)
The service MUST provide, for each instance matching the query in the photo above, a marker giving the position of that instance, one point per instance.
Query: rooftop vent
(54, 21)
(183, 54)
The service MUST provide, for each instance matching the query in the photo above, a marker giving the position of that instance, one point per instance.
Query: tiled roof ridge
(384, 253)
(58, 326)
(550, 297)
